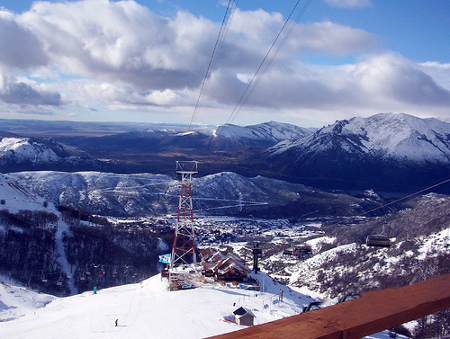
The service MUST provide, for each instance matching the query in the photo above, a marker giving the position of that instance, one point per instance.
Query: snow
(143, 310)
(434, 243)
(269, 131)
(397, 136)
(17, 301)
(22, 149)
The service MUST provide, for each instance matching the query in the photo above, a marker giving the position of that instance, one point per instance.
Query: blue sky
(100, 60)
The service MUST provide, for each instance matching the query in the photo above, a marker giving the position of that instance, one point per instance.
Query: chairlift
(314, 305)
(378, 240)
(59, 282)
(82, 278)
(302, 250)
(43, 278)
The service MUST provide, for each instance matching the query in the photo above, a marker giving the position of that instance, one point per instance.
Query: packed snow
(143, 310)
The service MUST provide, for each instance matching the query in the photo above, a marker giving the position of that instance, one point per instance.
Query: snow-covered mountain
(19, 153)
(266, 132)
(390, 136)
(21, 150)
(385, 152)
(156, 194)
(382, 149)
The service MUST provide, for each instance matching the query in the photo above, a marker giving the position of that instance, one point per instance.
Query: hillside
(389, 152)
(20, 153)
(148, 310)
(385, 152)
(219, 194)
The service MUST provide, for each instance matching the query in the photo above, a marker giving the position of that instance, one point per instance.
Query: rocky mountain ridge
(385, 152)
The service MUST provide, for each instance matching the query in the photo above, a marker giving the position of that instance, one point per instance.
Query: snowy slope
(17, 153)
(15, 198)
(23, 149)
(149, 310)
(391, 136)
(17, 301)
(223, 193)
(268, 132)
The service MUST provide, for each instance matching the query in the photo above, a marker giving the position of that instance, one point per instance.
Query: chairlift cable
(399, 199)
(407, 196)
(269, 63)
(244, 95)
(212, 59)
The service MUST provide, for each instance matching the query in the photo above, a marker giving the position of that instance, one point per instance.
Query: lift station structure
(183, 250)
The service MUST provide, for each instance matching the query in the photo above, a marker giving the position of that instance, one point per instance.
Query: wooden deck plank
(374, 312)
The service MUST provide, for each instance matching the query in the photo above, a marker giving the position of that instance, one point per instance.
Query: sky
(163, 61)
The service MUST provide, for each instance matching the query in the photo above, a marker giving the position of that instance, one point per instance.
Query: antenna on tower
(183, 250)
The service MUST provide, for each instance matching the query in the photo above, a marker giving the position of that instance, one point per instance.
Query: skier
(117, 322)
(280, 296)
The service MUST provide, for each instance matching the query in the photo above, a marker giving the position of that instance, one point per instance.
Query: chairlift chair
(378, 240)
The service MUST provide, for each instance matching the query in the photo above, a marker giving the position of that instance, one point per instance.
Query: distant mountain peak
(271, 131)
(397, 136)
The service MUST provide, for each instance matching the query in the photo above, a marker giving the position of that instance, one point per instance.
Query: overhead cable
(245, 95)
(217, 46)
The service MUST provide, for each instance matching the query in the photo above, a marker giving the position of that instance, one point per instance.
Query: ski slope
(143, 310)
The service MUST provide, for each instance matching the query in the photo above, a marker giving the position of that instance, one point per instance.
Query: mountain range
(386, 152)
(72, 201)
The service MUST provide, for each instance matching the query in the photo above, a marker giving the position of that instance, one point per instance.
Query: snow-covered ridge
(395, 136)
(269, 131)
(22, 150)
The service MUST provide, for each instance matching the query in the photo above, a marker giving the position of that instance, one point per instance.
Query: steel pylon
(183, 250)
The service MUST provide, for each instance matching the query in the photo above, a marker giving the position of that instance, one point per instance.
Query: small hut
(244, 316)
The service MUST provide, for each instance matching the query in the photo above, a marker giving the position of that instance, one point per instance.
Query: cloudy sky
(146, 60)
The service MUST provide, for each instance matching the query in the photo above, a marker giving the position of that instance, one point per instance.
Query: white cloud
(123, 41)
(161, 98)
(121, 54)
(349, 3)
(330, 38)
(20, 49)
(390, 76)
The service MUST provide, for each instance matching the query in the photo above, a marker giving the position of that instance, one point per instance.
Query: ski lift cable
(406, 197)
(212, 59)
(400, 199)
(220, 45)
(269, 63)
(241, 100)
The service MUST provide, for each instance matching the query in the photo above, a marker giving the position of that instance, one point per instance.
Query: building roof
(243, 311)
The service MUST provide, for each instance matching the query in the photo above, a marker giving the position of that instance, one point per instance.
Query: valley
(78, 202)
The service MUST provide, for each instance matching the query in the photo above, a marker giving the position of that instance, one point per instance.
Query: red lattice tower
(183, 250)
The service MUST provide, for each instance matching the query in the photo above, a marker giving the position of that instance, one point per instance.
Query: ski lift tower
(183, 250)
